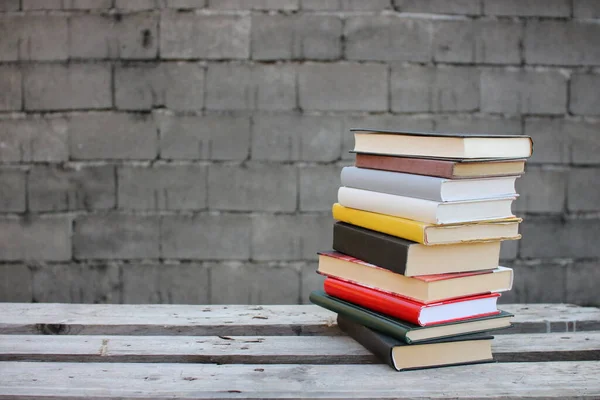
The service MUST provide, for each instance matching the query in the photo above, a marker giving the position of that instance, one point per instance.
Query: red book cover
(410, 310)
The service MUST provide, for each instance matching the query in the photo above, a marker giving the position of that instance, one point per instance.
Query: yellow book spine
(395, 226)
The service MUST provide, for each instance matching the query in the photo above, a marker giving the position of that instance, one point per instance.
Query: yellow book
(430, 234)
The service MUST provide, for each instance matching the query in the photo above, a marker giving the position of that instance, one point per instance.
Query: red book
(412, 311)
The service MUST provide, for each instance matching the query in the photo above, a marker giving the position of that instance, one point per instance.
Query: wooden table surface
(57, 351)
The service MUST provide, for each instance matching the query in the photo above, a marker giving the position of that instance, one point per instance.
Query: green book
(406, 331)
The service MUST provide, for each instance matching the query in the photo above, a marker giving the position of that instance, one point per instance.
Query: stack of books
(414, 272)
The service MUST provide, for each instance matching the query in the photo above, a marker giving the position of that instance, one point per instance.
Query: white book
(433, 212)
(428, 187)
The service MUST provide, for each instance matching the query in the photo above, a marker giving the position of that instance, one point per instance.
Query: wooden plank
(580, 346)
(554, 380)
(124, 319)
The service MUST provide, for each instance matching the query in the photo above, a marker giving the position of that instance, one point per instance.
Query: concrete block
(509, 249)
(346, 5)
(291, 237)
(185, 4)
(528, 8)
(306, 36)
(387, 38)
(215, 36)
(11, 96)
(554, 237)
(33, 37)
(264, 187)
(254, 284)
(309, 281)
(343, 87)
(112, 136)
(538, 283)
(138, 4)
(166, 284)
(116, 236)
(35, 238)
(585, 94)
(586, 9)
(15, 283)
(512, 91)
(541, 190)
(431, 89)
(67, 87)
(583, 192)
(55, 188)
(65, 4)
(254, 4)
(33, 140)
(585, 141)
(12, 190)
(250, 87)
(77, 283)
(162, 187)
(118, 36)
(562, 43)
(205, 137)
(206, 237)
(318, 187)
(296, 137)
(10, 5)
(468, 7)
(582, 283)
(482, 41)
(177, 86)
(482, 124)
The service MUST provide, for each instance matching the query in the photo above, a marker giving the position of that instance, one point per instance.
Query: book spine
(439, 168)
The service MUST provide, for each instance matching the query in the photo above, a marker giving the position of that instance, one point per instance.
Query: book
(430, 234)
(427, 187)
(411, 258)
(468, 349)
(440, 167)
(448, 145)
(413, 311)
(429, 211)
(424, 289)
(404, 330)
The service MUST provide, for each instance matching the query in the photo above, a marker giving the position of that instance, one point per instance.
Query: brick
(264, 187)
(541, 190)
(166, 284)
(254, 284)
(206, 137)
(309, 281)
(584, 189)
(12, 190)
(388, 38)
(36, 238)
(15, 283)
(55, 188)
(553, 237)
(163, 187)
(116, 236)
(11, 97)
(290, 237)
(430, 89)
(562, 43)
(10, 5)
(254, 4)
(128, 36)
(67, 87)
(250, 87)
(343, 87)
(188, 35)
(523, 91)
(581, 283)
(469, 7)
(33, 37)
(307, 36)
(318, 187)
(77, 283)
(585, 94)
(33, 140)
(346, 5)
(206, 237)
(509, 250)
(528, 8)
(65, 4)
(112, 136)
(482, 41)
(296, 137)
(586, 9)
(177, 86)
(479, 124)
(538, 283)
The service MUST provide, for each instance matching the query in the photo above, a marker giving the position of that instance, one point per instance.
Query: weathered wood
(102, 319)
(559, 380)
(580, 346)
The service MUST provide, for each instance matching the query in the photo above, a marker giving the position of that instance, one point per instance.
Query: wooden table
(52, 351)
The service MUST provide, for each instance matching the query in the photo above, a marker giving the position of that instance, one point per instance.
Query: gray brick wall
(188, 151)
